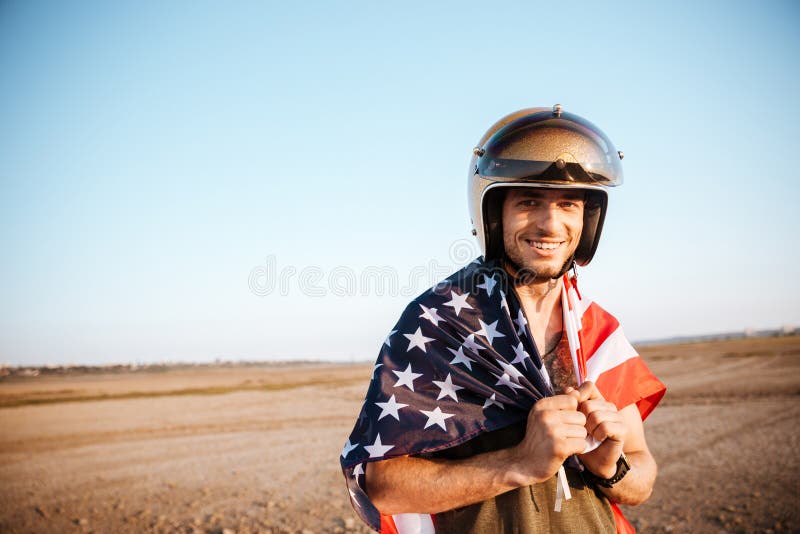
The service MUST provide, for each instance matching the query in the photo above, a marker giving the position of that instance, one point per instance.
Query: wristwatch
(622, 469)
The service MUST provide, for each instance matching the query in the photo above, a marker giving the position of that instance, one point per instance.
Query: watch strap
(623, 466)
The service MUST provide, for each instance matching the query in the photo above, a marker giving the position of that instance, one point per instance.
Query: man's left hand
(606, 424)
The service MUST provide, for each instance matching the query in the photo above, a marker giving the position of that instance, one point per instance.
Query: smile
(542, 245)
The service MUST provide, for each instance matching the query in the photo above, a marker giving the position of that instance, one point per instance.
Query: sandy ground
(255, 449)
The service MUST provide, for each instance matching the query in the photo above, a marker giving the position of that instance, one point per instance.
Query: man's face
(542, 228)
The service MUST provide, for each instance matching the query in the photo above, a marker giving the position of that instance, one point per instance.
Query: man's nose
(549, 219)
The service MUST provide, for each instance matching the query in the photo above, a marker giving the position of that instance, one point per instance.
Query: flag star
(448, 389)
(348, 447)
(492, 401)
(390, 407)
(458, 302)
(358, 470)
(431, 315)
(353, 497)
(503, 301)
(510, 370)
(461, 358)
(488, 284)
(519, 352)
(388, 340)
(505, 380)
(471, 345)
(406, 378)
(489, 331)
(417, 340)
(377, 449)
(436, 417)
(521, 322)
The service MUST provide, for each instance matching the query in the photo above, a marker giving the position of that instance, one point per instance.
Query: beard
(527, 272)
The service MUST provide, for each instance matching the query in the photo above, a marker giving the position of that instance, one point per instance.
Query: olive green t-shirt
(528, 509)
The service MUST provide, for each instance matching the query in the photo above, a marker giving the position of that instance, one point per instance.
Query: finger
(588, 391)
(609, 430)
(594, 405)
(567, 441)
(574, 445)
(557, 402)
(572, 418)
(574, 393)
(595, 419)
(572, 432)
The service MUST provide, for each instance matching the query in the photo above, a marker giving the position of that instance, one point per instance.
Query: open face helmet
(541, 147)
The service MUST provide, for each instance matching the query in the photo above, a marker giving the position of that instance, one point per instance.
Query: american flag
(461, 361)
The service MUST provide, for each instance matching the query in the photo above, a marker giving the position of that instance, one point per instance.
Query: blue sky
(153, 156)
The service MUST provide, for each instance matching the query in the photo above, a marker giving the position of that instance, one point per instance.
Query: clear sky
(162, 163)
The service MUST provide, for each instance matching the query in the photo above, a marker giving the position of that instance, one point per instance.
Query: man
(503, 401)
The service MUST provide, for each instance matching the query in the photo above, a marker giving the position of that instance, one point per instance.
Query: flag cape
(461, 361)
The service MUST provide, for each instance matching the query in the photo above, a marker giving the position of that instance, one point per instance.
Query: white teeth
(545, 246)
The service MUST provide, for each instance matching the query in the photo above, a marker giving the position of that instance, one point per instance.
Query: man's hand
(555, 431)
(605, 424)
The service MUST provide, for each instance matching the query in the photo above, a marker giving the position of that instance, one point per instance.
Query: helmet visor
(542, 147)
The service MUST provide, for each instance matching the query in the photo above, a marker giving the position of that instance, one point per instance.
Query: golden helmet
(541, 147)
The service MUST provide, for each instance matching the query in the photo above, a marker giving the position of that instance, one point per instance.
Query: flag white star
(503, 301)
(505, 380)
(436, 417)
(417, 340)
(458, 302)
(510, 370)
(488, 284)
(390, 407)
(388, 340)
(358, 470)
(489, 331)
(461, 358)
(492, 401)
(377, 449)
(406, 378)
(520, 353)
(348, 447)
(521, 322)
(431, 315)
(471, 345)
(448, 389)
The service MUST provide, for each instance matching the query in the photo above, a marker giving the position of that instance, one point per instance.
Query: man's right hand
(555, 431)
(410, 484)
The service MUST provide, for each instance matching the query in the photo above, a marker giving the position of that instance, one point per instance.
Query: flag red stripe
(387, 525)
(623, 527)
(629, 382)
(596, 325)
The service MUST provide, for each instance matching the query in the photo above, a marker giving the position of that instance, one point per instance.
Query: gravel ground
(259, 452)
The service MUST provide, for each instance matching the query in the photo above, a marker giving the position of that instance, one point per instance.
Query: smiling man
(503, 400)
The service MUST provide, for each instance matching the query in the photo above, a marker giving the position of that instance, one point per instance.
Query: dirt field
(255, 449)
